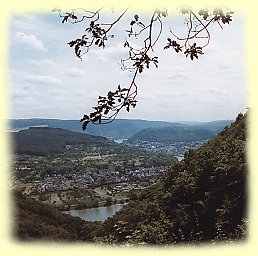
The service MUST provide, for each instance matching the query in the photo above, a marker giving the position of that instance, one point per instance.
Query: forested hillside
(43, 141)
(35, 220)
(202, 198)
(170, 135)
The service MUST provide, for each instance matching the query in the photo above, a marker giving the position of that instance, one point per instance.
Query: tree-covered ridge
(170, 135)
(202, 198)
(43, 141)
(35, 220)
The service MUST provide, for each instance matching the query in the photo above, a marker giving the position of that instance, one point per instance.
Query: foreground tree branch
(97, 34)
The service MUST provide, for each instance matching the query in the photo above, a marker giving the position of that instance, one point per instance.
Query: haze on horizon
(48, 81)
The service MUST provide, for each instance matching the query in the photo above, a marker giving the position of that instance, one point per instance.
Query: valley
(160, 200)
(72, 176)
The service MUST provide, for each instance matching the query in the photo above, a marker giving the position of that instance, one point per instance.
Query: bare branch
(196, 25)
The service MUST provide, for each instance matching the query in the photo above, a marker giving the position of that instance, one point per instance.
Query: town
(139, 178)
(78, 179)
(176, 149)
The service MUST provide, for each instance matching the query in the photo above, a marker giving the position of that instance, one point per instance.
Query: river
(96, 214)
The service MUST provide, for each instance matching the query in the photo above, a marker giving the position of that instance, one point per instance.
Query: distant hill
(191, 131)
(120, 128)
(170, 135)
(214, 126)
(46, 140)
(72, 125)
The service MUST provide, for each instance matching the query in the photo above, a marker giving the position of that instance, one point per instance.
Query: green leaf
(84, 125)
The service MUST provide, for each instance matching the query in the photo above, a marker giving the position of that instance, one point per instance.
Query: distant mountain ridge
(120, 128)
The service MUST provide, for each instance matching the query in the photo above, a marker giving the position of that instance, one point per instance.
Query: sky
(48, 81)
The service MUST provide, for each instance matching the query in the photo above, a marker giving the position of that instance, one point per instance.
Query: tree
(108, 201)
(97, 34)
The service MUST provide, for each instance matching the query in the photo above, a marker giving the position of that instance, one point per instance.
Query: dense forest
(202, 198)
(36, 220)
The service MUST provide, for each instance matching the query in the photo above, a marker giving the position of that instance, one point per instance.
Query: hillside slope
(202, 198)
(42, 141)
(35, 220)
(169, 135)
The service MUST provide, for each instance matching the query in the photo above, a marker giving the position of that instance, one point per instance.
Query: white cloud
(30, 40)
(30, 17)
(117, 51)
(24, 92)
(43, 62)
(74, 72)
(42, 79)
(19, 93)
(218, 92)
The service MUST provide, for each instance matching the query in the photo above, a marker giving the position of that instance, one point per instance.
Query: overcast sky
(48, 81)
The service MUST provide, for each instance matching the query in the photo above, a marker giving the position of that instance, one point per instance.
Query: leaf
(85, 117)
(97, 41)
(65, 19)
(136, 17)
(56, 10)
(164, 14)
(184, 11)
(72, 43)
(126, 44)
(84, 125)
(110, 94)
(95, 119)
(92, 114)
(106, 111)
